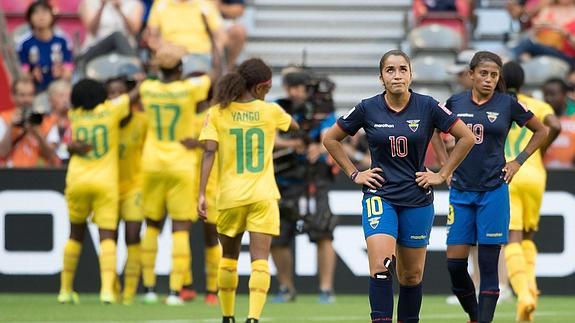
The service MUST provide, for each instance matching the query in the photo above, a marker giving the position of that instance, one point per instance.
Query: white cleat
(150, 298)
(174, 300)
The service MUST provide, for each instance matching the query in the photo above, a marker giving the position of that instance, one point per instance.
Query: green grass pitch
(348, 308)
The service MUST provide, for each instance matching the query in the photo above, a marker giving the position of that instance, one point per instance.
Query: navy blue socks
(409, 303)
(489, 286)
(462, 286)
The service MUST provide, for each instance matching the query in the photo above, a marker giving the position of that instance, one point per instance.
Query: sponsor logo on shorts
(374, 222)
(494, 235)
(419, 237)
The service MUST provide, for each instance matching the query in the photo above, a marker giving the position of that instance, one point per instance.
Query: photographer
(303, 171)
(27, 139)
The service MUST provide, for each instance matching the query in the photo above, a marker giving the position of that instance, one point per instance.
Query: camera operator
(303, 171)
(27, 139)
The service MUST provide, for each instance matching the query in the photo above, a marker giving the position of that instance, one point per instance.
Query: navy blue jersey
(398, 142)
(490, 122)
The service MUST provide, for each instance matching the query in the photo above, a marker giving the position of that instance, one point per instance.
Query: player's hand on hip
(428, 178)
(510, 169)
(370, 178)
(202, 207)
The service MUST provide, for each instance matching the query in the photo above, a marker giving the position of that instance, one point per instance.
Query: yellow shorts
(99, 202)
(131, 205)
(171, 191)
(262, 217)
(525, 202)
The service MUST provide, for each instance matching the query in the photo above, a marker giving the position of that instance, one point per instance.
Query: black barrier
(33, 229)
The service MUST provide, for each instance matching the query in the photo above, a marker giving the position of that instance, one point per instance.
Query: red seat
(5, 93)
(456, 20)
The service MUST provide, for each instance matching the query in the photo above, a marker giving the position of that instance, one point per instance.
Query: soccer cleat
(525, 308)
(452, 300)
(284, 295)
(174, 300)
(188, 295)
(326, 297)
(107, 298)
(252, 320)
(68, 298)
(228, 319)
(150, 298)
(211, 299)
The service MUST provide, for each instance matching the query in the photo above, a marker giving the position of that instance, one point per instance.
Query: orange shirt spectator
(26, 140)
(561, 154)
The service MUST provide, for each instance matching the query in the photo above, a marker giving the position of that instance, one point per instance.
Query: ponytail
(229, 89)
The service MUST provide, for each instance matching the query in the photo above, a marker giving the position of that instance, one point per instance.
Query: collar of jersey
(382, 98)
(470, 96)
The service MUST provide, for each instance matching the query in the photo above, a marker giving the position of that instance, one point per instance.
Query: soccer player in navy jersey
(479, 195)
(398, 199)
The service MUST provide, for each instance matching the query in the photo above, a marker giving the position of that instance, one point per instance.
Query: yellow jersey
(132, 138)
(180, 23)
(211, 189)
(100, 128)
(245, 133)
(171, 110)
(518, 138)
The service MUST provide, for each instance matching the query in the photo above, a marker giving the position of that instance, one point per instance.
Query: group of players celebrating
(136, 164)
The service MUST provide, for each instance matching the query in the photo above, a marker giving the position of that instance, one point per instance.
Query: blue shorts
(410, 226)
(478, 217)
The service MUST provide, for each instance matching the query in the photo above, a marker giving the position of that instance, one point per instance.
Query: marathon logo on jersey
(413, 125)
(383, 125)
(465, 115)
(374, 222)
(492, 116)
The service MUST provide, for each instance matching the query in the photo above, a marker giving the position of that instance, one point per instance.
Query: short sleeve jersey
(490, 122)
(34, 52)
(518, 138)
(398, 142)
(245, 133)
(180, 23)
(171, 109)
(100, 128)
(132, 137)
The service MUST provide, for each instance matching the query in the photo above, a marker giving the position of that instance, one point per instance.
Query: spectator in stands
(59, 98)
(232, 10)
(185, 23)
(525, 10)
(552, 33)
(561, 154)
(44, 55)
(112, 26)
(26, 138)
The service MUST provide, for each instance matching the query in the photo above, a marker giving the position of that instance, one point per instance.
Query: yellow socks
(259, 285)
(516, 269)
(149, 251)
(530, 254)
(132, 272)
(72, 252)
(227, 283)
(188, 277)
(107, 266)
(180, 259)
(213, 255)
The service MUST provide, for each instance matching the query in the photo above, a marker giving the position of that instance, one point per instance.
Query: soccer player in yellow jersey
(212, 248)
(92, 181)
(169, 166)
(526, 193)
(132, 135)
(242, 129)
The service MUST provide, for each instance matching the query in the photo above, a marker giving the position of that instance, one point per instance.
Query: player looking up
(398, 198)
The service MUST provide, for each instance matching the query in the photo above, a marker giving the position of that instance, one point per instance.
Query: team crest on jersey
(374, 222)
(492, 116)
(413, 125)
